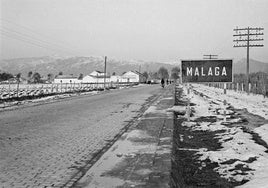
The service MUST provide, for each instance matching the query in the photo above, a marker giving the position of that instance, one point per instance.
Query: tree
(154, 75)
(18, 76)
(49, 77)
(175, 73)
(30, 73)
(36, 77)
(80, 76)
(163, 73)
(114, 74)
(145, 74)
(5, 76)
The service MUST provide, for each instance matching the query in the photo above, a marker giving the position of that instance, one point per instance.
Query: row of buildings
(100, 77)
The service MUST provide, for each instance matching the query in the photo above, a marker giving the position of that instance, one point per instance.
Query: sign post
(188, 108)
(207, 71)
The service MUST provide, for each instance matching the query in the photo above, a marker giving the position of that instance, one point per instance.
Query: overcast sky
(151, 30)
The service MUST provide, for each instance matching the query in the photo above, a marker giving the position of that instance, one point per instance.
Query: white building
(96, 77)
(133, 77)
(97, 73)
(66, 79)
(117, 78)
(89, 79)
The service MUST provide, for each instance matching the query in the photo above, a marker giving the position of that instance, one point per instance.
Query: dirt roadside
(190, 141)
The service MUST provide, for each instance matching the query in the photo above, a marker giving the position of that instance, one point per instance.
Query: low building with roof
(134, 77)
(96, 77)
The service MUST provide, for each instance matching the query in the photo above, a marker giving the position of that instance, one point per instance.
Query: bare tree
(50, 77)
(36, 77)
(80, 77)
(163, 73)
(175, 73)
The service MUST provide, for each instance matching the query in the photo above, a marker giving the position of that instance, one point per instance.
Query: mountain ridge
(85, 65)
(254, 66)
(76, 65)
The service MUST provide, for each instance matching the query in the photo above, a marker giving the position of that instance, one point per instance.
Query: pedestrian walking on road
(163, 83)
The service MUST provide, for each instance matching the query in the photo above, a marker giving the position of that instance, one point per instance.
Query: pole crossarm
(210, 56)
(250, 28)
(245, 40)
(245, 34)
(256, 45)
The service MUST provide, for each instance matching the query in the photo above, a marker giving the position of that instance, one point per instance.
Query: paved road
(44, 145)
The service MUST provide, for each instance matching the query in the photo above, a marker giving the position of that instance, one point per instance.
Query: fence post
(8, 89)
(188, 111)
(264, 93)
(51, 91)
(224, 88)
(18, 88)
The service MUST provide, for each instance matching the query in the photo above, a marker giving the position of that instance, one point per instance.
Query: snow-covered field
(242, 157)
(8, 92)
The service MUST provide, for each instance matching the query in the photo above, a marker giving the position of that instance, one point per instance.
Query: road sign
(207, 70)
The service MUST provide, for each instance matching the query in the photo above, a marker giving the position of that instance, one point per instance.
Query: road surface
(45, 145)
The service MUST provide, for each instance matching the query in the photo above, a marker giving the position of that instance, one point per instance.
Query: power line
(32, 42)
(28, 29)
(26, 41)
(21, 30)
(26, 38)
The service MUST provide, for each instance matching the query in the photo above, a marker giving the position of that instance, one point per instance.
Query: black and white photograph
(133, 94)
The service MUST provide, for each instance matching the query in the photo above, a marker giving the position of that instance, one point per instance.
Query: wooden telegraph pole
(245, 38)
(105, 59)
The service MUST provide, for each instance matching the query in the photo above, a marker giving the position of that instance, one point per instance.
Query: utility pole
(244, 38)
(104, 86)
(210, 56)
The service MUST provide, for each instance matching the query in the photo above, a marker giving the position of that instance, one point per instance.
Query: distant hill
(254, 66)
(76, 65)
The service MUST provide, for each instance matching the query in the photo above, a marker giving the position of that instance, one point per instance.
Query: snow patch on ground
(151, 109)
(255, 104)
(180, 109)
(263, 132)
(239, 148)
